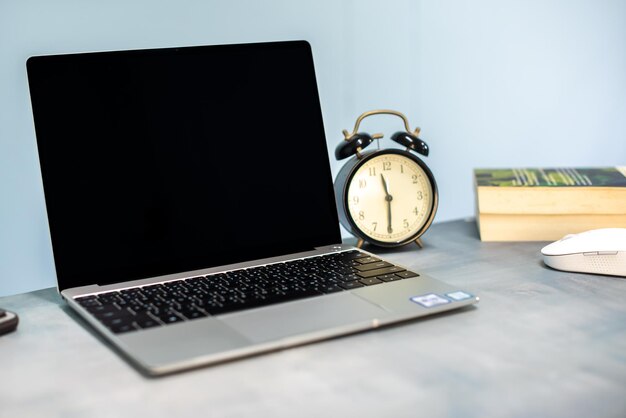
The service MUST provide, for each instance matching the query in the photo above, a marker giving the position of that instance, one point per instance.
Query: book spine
(551, 177)
(493, 227)
(555, 201)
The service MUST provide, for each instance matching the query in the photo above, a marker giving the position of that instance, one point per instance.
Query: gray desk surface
(540, 343)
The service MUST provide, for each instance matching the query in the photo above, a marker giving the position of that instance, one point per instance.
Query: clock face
(390, 198)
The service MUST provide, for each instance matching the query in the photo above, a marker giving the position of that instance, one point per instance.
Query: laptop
(191, 209)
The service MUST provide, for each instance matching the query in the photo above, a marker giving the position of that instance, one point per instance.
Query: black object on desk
(8, 321)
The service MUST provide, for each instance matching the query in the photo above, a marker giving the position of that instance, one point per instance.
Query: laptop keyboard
(201, 296)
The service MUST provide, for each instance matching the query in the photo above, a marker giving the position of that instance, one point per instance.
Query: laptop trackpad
(305, 316)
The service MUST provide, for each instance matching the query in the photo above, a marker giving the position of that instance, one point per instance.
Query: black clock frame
(344, 178)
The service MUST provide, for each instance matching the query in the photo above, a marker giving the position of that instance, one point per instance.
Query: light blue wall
(491, 83)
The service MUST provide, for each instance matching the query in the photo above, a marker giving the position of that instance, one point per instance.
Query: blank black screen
(169, 160)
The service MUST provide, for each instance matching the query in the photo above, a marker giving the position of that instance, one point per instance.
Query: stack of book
(545, 204)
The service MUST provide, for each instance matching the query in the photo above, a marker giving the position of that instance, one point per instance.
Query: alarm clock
(386, 197)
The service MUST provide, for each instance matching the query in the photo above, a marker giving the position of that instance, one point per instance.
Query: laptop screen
(169, 160)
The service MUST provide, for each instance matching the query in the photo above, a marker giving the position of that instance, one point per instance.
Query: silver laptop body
(114, 131)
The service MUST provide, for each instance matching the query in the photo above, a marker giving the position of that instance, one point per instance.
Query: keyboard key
(122, 315)
(129, 292)
(379, 272)
(367, 260)
(119, 321)
(351, 255)
(211, 305)
(373, 266)
(108, 298)
(118, 329)
(330, 289)
(195, 314)
(143, 320)
(85, 298)
(351, 285)
(370, 281)
(102, 309)
(122, 322)
(407, 274)
(169, 317)
(93, 301)
(388, 277)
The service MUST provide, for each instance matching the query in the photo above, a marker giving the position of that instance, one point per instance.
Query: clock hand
(384, 185)
(388, 199)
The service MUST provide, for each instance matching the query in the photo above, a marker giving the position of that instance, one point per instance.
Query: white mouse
(599, 251)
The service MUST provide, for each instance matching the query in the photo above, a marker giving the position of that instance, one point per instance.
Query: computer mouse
(599, 251)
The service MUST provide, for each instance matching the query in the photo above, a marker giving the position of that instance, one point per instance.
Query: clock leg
(419, 243)
(359, 243)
